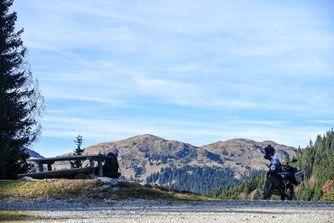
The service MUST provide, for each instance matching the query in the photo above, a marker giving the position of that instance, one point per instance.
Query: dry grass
(56, 189)
(18, 216)
(25, 216)
(328, 197)
(136, 191)
(91, 190)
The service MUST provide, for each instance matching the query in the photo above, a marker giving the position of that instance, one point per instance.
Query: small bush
(328, 197)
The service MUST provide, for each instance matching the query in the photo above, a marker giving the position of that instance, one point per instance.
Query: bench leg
(100, 168)
(40, 167)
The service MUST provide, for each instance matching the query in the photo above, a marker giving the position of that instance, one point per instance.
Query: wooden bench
(78, 173)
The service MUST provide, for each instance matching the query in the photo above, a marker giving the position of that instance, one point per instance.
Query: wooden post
(40, 167)
(100, 168)
(49, 167)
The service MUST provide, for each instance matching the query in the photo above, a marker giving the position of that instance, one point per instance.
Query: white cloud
(201, 134)
(331, 122)
(174, 91)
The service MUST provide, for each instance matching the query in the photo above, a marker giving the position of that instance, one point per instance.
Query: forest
(317, 164)
(195, 179)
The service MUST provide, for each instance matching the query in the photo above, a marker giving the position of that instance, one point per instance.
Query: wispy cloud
(173, 91)
(330, 122)
(200, 133)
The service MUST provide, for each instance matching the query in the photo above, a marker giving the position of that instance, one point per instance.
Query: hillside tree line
(194, 178)
(316, 162)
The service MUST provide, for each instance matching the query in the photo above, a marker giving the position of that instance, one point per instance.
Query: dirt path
(169, 212)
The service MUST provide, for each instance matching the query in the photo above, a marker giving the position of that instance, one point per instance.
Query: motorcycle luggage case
(299, 176)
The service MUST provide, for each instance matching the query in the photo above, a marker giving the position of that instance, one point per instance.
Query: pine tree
(20, 100)
(78, 151)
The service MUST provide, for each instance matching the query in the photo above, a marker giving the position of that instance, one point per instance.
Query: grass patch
(91, 190)
(58, 189)
(131, 190)
(24, 216)
(17, 216)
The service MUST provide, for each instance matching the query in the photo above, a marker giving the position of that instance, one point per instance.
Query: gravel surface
(163, 211)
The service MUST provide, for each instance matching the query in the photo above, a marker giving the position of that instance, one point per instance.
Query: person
(269, 152)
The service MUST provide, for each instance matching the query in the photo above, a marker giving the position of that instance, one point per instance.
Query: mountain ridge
(144, 156)
(32, 153)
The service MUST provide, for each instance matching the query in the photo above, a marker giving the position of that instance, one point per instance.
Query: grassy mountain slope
(143, 155)
(154, 160)
(242, 155)
(317, 163)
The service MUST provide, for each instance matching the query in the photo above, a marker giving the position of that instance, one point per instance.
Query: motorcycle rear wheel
(268, 190)
(288, 193)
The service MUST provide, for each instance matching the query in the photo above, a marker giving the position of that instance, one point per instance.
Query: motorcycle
(281, 179)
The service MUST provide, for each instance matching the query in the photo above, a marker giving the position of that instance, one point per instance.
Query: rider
(274, 157)
(276, 161)
(270, 151)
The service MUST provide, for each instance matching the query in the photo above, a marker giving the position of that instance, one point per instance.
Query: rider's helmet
(269, 152)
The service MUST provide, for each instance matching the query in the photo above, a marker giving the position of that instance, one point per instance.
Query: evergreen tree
(20, 100)
(317, 163)
(195, 179)
(77, 151)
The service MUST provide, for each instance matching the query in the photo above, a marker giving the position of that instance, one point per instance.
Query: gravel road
(163, 211)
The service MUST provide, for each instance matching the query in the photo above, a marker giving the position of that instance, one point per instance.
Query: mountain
(143, 155)
(317, 164)
(151, 159)
(242, 155)
(33, 154)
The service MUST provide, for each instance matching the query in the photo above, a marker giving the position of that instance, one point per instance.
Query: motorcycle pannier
(299, 176)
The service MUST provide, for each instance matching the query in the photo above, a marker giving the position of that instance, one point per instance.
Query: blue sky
(194, 71)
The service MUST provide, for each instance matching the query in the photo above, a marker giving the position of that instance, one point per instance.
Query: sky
(192, 71)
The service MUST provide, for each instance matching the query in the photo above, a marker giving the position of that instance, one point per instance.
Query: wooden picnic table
(67, 172)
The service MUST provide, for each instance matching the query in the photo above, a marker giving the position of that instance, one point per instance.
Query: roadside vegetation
(317, 163)
(93, 189)
(19, 216)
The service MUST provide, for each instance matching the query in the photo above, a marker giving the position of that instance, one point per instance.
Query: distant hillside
(242, 155)
(33, 154)
(154, 160)
(317, 163)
